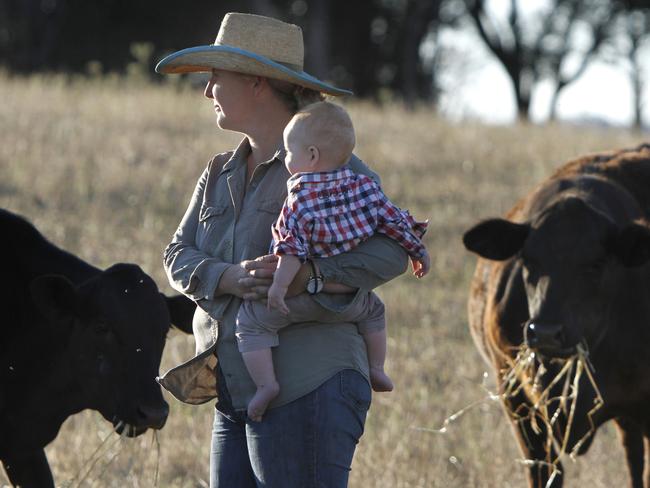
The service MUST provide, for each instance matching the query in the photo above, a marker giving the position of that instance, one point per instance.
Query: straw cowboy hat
(254, 45)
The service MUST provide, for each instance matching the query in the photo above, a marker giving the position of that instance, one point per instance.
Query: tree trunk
(638, 98)
(523, 109)
(522, 96)
(522, 90)
(317, 47)
(355, 58)
(637, 82)
(419, 15)
(554, 101)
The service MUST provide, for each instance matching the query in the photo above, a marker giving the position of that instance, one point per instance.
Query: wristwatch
(315, 281)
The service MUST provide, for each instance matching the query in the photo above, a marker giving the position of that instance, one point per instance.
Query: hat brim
(205, 58)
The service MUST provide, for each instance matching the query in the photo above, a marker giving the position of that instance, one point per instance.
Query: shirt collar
(280, 153)
(238, 156)
(300, 179)
(244, 148)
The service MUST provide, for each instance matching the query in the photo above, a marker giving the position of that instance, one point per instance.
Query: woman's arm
(372, 263)
(190, 270)
(197, 274)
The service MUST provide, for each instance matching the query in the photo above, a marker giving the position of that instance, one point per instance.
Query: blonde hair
(328, 127)
(295, 97)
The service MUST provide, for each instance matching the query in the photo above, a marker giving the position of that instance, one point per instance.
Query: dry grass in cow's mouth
(526, 374)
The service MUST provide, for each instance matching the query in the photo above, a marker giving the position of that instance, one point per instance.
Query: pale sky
(479, 88)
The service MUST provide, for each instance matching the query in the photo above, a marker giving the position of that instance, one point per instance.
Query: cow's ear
(55, 296)
(181, 312)
(632, 245)
(496, 239)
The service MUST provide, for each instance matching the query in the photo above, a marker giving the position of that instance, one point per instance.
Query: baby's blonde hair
(328, 127)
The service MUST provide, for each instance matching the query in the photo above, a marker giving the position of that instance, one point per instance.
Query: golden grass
(105, 168)
(525, 373)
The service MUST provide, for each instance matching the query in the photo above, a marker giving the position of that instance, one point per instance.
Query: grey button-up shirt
(228, 221)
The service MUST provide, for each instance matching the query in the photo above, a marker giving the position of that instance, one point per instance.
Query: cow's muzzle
(548, 339)
(147, 417)
(154, 417)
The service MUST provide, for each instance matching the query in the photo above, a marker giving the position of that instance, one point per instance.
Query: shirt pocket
(209, 211)
(214, 220)
(271, 206)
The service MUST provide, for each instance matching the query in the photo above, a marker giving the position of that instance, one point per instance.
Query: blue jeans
(308, 443)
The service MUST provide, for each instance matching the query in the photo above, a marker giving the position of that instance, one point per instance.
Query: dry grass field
(104, 168)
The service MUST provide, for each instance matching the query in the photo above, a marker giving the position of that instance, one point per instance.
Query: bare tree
(637, 26)
(625, 49)
(318, 37)
(371, 46)
(420, 18)
(540, 48)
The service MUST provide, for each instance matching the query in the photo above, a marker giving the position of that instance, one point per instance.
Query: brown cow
(567, 275)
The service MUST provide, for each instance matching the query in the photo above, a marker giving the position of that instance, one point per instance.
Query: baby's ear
(314, 155)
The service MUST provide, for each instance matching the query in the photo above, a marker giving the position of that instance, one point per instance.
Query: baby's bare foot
(379, 380)
(261, 399)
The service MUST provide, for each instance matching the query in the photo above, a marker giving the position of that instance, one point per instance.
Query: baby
(329, 210)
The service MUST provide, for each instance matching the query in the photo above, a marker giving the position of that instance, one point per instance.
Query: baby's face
(298, 159)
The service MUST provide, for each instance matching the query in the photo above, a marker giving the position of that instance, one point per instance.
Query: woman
(218, 257)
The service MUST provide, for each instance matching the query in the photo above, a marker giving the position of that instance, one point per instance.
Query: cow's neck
(53, 260)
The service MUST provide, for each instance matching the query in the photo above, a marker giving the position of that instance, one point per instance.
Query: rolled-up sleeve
(292, 231)
(372, 263)
(190, 270)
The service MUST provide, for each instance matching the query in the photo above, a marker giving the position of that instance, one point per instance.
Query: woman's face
(232, 97)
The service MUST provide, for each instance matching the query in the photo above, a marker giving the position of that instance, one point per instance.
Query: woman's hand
(249, 279)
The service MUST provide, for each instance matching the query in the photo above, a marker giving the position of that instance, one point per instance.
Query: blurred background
(496, 60)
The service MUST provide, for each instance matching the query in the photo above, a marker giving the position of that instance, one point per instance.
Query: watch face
(314, 285)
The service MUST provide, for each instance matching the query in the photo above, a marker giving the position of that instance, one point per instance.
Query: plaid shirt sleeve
(400, 226)
(292, 230)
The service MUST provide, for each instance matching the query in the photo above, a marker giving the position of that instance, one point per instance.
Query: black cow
(568, 270)
(74, 337)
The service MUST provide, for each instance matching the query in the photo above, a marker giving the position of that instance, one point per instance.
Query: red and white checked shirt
(330, 212)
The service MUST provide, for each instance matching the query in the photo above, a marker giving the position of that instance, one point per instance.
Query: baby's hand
(421, 266)
(276, 298)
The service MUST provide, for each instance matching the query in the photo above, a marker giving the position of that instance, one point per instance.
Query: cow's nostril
(530, 334)
(544, 336)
